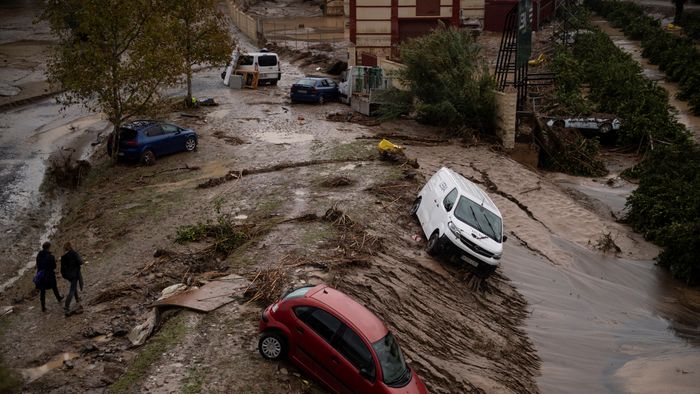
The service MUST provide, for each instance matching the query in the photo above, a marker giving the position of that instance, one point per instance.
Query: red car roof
(362, 318)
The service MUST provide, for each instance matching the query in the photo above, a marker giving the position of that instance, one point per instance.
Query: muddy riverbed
(560, 315)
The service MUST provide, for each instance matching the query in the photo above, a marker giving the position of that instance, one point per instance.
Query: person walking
(45, 277)
(70, 271)
(679, 11)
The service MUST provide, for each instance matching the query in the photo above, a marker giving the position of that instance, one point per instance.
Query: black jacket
(70, 265)
(47, 263)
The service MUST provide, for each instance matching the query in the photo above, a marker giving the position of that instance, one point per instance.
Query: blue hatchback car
(314, 90)
(145, 140)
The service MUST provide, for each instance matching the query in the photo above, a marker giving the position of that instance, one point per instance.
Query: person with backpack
(45, 277)
(70, 271)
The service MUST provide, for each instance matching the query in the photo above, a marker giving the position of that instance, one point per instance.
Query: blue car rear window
(307, 82)
(127, 134)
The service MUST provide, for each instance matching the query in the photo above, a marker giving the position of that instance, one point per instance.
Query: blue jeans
(73, 292)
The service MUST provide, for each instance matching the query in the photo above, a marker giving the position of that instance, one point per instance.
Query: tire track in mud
(458, 340)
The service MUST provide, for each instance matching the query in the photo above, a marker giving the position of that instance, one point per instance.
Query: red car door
(354, 364)
(312, 334)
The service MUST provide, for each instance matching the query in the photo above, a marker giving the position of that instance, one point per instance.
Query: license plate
(301, 91)
(470, 261)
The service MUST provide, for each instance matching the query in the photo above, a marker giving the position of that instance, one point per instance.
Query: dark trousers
(679, 13)
(42, 296)
(73, 292)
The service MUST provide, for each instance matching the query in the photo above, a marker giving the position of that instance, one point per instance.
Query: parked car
(146, 140)
(602, 125)
(267, 64)
(315, 90)
(460, 220)
(336, 340)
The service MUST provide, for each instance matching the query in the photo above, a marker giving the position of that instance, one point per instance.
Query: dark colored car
(314, 90)
(145, 140)
(338, 341)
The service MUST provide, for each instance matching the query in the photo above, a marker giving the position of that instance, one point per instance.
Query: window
(479, 218)
(154, 131)
(324, 83)
(318, 320)
(168, 128)
(351, 346)
(306, 82)
(449, 200)
(297, 293)
(394, 369)
(127, 134)
(267, 61)
(245, 60)
(428, 7)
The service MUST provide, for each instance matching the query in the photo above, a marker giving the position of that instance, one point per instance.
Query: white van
(459, 218)
(267, 64)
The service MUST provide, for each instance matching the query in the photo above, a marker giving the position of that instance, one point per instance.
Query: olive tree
(201, 36)
(113, 56)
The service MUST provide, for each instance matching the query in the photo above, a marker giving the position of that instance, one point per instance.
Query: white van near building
(459, 219)
(267, 64)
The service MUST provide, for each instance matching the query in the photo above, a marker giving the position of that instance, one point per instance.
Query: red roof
(366, 322)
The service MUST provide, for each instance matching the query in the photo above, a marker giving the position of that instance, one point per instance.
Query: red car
(338, 341)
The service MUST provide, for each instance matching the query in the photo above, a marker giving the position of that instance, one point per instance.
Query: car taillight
(132, 143)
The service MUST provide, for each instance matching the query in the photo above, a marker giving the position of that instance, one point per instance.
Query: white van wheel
(433, 246)
(416, 205)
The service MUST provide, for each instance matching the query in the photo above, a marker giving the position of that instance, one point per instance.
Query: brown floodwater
(607, 324)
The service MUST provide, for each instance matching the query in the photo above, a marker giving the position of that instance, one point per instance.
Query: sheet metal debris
(211, 296)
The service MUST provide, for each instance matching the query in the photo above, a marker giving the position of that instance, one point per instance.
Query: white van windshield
(479, 217)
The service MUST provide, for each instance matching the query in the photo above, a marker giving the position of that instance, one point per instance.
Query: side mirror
(366, 374)
(505, 238)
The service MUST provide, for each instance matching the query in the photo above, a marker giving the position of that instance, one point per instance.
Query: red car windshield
(395, 372)
(297, 293)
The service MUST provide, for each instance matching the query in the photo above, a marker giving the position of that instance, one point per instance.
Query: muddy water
(30, 135)
(685, 115)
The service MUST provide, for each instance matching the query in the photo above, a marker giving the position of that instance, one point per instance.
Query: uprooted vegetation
(64, 171)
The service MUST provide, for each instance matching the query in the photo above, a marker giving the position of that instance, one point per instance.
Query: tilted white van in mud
(460, 220)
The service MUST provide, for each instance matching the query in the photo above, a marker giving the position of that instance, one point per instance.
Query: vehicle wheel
(416, 205)
(559, 123)
(148, 158)
(321, 100)
(433, 246)
(273, 82)
(605, 128)
(191, 144)
(272, 346)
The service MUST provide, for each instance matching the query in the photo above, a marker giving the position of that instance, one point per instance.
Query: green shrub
(394, 103)
(666, 208)
(690, 21)
(677, 56)
(449, 77)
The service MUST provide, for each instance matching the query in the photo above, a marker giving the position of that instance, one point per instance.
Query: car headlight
(497, 256)
(453, 228)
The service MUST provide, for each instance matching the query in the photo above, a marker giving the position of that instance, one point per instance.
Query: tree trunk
(189, 85)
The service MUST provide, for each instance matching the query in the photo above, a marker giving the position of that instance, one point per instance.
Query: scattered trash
(32, 374)
(91, 333)
(389, 151)
(141, 332)
(209, 297)
(172, 290)
(416, 237)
